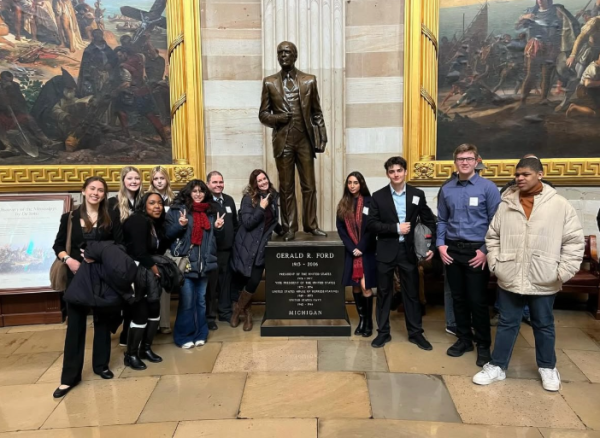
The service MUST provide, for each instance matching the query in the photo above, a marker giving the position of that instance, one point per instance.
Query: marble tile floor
(242, 385)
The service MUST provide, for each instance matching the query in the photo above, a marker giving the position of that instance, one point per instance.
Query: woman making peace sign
(191, 223)
(259, 218)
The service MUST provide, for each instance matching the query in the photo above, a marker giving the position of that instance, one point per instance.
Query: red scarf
(354, 225)
(201, 222)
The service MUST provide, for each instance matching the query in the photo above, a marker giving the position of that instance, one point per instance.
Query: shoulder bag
(59, 270)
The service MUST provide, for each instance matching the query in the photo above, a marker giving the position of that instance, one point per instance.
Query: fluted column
(317, 29)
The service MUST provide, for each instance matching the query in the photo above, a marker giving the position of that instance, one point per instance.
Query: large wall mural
(84, 82)
(519, 76)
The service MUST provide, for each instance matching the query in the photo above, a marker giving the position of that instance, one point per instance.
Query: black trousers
(143, 310)
(75, 343)
(409, 285)
(469, 293)
(219, 289)
(250, 284)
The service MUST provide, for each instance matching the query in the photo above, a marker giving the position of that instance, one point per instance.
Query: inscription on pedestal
(303, 288)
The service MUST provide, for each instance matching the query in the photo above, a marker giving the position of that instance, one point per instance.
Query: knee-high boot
(368, 331)
(134, 339)
(359, 300)
(240, 307)
(248, 313)
(146, 346)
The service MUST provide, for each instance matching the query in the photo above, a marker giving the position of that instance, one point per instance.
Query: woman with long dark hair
(191, 224)
(161, 183)
(91, 221)
(360, 266)
(144, 237)
(258, 218)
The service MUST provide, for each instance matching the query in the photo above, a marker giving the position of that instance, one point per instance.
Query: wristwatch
(65, 258)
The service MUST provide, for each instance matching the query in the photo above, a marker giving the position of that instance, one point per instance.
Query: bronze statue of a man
(290, 105)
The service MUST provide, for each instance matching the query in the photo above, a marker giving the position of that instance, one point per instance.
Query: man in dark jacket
(393, 215)
(219, 281)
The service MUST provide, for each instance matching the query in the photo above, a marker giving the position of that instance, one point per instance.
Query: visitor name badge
(473, 202)
(416, 200)
(228, 209)
(366, 210)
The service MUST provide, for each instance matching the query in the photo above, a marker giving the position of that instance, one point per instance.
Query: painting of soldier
(84, 82)
(519, 75)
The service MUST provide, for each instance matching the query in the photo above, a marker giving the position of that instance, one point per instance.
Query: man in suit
(290, 105)
(395, 210)
(219, 297)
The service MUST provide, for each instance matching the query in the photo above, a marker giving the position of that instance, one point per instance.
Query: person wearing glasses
(466, 207)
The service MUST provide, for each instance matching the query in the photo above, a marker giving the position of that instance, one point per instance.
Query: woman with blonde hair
(160, 183)
(124, 204)
(130, 192)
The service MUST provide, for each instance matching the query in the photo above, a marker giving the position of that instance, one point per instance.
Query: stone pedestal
(304, 294)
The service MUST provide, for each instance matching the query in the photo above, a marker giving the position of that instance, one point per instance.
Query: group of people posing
(115, 253)
(529, 237)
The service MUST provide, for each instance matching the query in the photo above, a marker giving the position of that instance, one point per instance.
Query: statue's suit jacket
(273, 102)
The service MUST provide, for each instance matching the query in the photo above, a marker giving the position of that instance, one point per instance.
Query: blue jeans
(526, 314)
(191, 324)
(542, 320)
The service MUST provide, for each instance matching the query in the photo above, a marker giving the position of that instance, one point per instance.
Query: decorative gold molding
(178, 104)
(183, 174)
(430, 101)
(420, 107)
(178, 40)
(187, 124)
(429, 34)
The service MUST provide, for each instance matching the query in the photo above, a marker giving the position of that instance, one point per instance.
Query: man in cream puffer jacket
(535, 244)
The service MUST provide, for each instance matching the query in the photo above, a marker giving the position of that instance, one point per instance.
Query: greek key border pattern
(565, 172)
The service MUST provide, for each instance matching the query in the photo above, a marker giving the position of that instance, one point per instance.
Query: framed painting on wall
(513, 77)
(89, 86)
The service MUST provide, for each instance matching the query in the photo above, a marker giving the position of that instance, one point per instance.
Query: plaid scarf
(354, 225)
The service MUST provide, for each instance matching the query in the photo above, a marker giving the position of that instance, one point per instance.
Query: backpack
(422, 237)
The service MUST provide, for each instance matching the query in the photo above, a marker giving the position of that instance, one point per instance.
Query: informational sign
(28, 227)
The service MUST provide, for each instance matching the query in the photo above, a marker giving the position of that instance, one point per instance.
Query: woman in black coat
(258, 218)
(144, 237)
(360, 266)
(91, 221)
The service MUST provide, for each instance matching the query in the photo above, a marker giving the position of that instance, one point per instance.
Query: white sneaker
(188, 345)
(550, 379)
(489, 374)
(200, 343)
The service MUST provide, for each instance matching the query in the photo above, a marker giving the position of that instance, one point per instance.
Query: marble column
(317, 29)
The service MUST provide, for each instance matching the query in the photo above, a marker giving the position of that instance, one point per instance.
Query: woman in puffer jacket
(535, 244)
(258, 217)
(191, 224)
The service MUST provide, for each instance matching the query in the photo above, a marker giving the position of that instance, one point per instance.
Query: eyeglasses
(465, 160)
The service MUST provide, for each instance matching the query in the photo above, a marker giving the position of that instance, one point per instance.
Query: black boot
(134, 339)
(145, 349)
(368, 332)
(359, 300)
